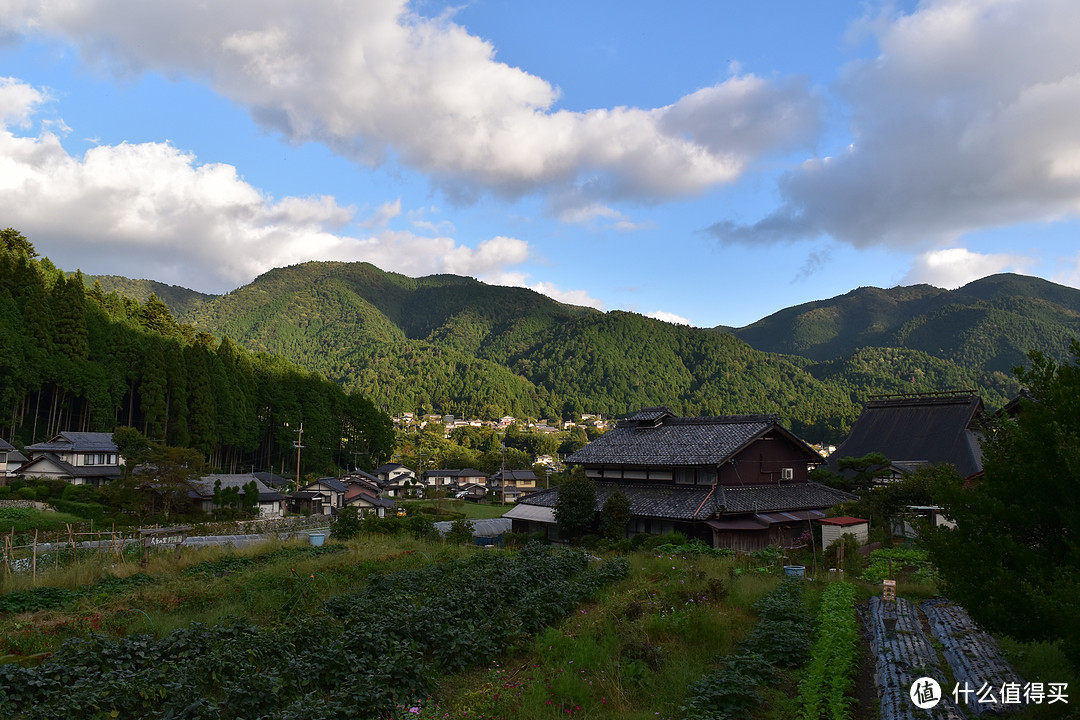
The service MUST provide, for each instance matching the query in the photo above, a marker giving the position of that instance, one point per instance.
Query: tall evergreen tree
(153, 392)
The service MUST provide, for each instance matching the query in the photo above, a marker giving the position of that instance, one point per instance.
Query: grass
(472, 511)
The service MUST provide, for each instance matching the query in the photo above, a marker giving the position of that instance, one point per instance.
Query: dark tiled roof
(204, 486)
(650, 414)
(919, 430)
(76, 442)
(646, 500)
(5, 446)
(81, 471)
(332, 483)
(694, 502)
(467, 472)
(772, 498)
(372, 500)
(676, 441)
(389, 467)
(272, 480)
(516, 475)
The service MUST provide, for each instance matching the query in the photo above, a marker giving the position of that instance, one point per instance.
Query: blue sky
(707, 163)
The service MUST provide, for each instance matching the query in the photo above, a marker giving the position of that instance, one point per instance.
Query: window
(684, 476)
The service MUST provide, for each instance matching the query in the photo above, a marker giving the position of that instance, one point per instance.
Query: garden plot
(903, 656)
(973, 655)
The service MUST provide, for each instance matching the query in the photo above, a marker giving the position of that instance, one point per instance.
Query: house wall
(831, 533)
(763, 463)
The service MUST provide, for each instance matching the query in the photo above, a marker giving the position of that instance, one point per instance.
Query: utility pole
(502, 475)
(299, 443)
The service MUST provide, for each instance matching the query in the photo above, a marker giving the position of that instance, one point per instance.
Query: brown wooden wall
(762, 462)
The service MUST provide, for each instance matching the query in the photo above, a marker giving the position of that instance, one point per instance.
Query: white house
(332, 491)
(81, 458)
(5, 448)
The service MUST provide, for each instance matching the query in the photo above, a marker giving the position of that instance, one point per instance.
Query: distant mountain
(179, 299)
(987, 325)
(457, 345)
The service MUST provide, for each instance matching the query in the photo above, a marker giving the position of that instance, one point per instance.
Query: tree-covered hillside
(80, 359)
(455, 345)
(987, 326)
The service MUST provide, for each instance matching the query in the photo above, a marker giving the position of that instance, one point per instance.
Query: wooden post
(74, 547)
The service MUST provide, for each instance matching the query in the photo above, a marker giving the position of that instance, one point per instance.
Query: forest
(455, 345)
(77, 358)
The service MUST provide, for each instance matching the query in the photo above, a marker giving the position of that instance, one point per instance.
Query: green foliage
(380, 647)
(831, 670)
(347, 525)
(575, 509)
(1015, 540)
(903, 561)
(460, 532)
(81, 358)
(50, 598)
(615, 516)
(781, 638)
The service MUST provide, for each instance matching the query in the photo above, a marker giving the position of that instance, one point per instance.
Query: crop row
(823, 693)
(367, 652)
(50, 598)
(781, 638)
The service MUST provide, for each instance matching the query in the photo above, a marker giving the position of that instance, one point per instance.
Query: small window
(684, 476)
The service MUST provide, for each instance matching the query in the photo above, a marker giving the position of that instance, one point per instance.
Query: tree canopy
(1014, 558)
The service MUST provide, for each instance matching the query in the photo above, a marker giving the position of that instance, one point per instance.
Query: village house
(368, 503)
(398, 480)
(513, 485)
(81, 458)
(332, 491)
(270, 503)
(452, 480)
(739, 482)
(5, 449)
(914, 431)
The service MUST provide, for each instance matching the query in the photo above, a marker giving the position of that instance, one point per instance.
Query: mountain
(179, 299)
(987, 325)
(459, 346)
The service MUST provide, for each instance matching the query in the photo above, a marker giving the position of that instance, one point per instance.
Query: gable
(700, 441)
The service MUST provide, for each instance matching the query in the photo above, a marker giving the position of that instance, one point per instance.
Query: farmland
(381, 626)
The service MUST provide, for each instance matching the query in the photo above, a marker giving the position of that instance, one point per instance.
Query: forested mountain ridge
(76, 358)
(457, 345)
(987, 325)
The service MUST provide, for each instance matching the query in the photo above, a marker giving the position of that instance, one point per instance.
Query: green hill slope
(457, 345)
(986, 326)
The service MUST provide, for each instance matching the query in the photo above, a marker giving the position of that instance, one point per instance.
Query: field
(635, 640)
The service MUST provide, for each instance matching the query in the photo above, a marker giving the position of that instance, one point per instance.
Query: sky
(701, 163)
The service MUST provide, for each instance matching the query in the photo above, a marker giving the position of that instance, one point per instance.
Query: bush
(86, 510)
(460, 532)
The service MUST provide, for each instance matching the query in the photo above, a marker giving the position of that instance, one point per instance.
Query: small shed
(833, 528)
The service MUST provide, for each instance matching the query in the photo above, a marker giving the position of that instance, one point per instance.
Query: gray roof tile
(677, 441)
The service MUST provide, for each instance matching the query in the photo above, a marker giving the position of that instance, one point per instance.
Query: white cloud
(18, 101)
(570, 297)
(150, 210)
(383, 215)
(1069, 274)
(965, 120)
(371, 78)
(668, 317)
(951, 268)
